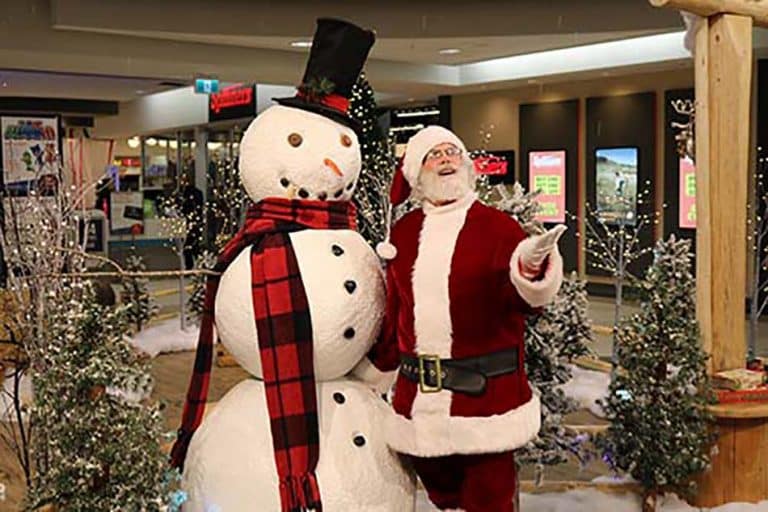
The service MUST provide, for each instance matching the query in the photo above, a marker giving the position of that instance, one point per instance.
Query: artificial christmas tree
(372, 191)
(194, 309)
(97, 445)
(141, 306)
(657, 404)
(561, 332)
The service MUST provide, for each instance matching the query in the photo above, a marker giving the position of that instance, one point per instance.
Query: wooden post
(723, 85)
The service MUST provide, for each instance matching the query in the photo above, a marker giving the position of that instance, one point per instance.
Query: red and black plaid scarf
(284, 327)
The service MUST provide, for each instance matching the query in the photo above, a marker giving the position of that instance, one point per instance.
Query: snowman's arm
(379, 367)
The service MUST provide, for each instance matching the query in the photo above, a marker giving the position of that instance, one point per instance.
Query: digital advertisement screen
(616, 184)
(687, 210)
(546, 173)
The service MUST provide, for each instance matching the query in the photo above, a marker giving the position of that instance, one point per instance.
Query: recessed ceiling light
(140, 91)
(534, 81)
(449, 51)
(301, 44)
(134, 142)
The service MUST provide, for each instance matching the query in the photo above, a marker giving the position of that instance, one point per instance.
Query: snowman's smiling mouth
(321, 195)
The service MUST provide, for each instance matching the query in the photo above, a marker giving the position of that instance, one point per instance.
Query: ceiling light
(449, 51)
(5, 84)
(151, 141)
(301, 44)
(173, 143)
(417, 113)
(163, 143)
(140, 91)
(134, 142)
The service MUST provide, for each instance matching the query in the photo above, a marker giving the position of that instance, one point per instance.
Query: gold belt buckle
(423, 386)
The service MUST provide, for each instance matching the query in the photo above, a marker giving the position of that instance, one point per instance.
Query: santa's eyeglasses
(437, 154)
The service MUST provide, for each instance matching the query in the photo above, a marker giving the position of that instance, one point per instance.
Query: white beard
(437, 189)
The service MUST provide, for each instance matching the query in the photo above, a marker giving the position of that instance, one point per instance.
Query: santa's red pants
(475, 483)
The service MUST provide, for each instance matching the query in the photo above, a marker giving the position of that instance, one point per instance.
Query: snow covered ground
(589, 500)
(166, 336)
(586, 387)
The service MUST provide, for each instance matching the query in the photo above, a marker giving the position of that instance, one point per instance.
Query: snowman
(299, 304)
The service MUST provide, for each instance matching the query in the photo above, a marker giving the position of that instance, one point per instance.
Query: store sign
(547, 175)
(687, 215)
(206, 86)
(30, 148)
(233, 102)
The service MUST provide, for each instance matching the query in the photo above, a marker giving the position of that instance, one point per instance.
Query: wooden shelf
(742, 410)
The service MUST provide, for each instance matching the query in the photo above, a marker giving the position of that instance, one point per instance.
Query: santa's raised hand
(535, 249)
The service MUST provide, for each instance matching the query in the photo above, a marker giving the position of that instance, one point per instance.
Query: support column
(723, 67)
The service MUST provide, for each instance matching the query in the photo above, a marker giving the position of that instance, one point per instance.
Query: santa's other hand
(539, 247)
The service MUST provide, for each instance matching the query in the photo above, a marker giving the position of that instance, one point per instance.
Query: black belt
(468, 375)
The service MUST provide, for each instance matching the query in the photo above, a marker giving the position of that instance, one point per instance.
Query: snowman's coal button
(351, 185)
(322, 196)
(350, 285)
(303, 193)
(359, 440)
(284, 182)
(339, 398)
(349, 333)
(338, 193)
(338, 251)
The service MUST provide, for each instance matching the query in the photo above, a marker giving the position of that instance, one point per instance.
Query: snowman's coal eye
(295, 140)
(346, 141)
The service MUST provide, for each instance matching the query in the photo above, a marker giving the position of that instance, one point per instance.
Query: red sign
(547, 175)
(234, 101)
(687, 215)
(491, 165)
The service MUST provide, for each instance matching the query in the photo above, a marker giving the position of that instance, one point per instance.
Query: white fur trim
(420, 144)
(378, 380)
(386, 250)
(432, 435)
(432, 324)
(541, 292)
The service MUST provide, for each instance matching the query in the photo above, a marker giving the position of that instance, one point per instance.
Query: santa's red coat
(454, 290)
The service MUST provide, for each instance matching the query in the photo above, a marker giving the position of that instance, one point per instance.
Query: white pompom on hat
(420, 144)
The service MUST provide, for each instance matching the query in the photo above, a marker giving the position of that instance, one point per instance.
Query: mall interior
(148, 101)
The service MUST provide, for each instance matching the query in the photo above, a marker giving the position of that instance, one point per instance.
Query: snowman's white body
(344, 323)
(230, 462)
(234, 469)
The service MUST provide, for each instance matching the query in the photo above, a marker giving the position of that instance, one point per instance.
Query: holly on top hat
(339, 50)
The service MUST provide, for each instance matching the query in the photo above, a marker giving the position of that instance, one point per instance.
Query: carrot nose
(332, 166)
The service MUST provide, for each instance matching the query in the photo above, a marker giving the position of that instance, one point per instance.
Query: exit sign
(206, 86)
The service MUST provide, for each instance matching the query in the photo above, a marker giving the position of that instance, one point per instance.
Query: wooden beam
(723, 72)
(755, 9)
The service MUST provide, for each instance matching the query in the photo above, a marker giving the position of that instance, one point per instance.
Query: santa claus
(461, 280)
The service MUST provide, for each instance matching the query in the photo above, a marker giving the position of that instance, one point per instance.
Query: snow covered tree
(372, 192)
(97, 445)
(141, 306)
(660, 428)
(205, 261)
(562, 332)
(553, 338)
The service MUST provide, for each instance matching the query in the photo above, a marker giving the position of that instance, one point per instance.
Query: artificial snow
(586, 387)
(166, 336)
(7, 411)
(595, 501)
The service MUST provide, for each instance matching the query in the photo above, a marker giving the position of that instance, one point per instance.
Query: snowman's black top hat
(339, 50)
